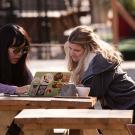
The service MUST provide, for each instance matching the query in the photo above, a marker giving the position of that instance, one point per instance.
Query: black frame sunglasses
(23, 50)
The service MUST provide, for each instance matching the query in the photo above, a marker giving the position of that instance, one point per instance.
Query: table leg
(83, 132)
(6, 118)
(36, 131)
(115, 132)
(75, 132)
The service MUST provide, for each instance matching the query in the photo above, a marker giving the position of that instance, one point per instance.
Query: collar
(88, 60)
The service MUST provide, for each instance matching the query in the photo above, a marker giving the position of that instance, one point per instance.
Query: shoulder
(101, 64)
(98, 65)
(30, 76)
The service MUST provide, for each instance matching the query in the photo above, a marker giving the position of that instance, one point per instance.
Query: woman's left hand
(23, 89)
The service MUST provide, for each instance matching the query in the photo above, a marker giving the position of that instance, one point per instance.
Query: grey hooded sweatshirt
(109, 83)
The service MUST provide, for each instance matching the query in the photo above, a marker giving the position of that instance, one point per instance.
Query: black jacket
(109, 83)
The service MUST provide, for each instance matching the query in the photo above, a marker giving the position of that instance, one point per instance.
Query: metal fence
(46, 51)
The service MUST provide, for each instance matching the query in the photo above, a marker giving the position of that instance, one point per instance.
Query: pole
(115, 24)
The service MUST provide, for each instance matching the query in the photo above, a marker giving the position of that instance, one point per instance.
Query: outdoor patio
(60, 65)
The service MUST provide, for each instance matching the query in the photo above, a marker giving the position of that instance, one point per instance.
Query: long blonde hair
(87, 39)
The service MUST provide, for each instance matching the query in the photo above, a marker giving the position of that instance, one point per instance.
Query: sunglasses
(23, 50)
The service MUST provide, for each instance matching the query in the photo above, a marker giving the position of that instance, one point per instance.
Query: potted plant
(129, 5)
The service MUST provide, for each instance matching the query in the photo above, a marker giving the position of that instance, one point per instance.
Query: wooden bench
(39, 121)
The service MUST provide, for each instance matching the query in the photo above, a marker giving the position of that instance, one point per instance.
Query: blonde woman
(96, 64)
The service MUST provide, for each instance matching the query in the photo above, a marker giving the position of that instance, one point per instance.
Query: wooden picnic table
(10, 106)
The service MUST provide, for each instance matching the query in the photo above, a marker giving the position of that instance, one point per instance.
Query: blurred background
(49, 22)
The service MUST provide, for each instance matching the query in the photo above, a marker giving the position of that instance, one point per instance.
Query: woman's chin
(14, 62)
(75, 60)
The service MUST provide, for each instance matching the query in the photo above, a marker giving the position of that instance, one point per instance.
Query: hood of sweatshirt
(98, 65)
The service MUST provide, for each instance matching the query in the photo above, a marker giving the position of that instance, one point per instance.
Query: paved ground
(129, 67)
(47, 65)
(60, 65)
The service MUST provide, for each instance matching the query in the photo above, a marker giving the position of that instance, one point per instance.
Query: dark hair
(14, 74)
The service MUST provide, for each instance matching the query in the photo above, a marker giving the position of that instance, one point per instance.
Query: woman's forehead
(14, 41)
(17, 42)
(73, 45)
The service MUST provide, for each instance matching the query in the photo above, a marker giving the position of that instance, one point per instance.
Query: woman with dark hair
(14, 47)
(14, 74)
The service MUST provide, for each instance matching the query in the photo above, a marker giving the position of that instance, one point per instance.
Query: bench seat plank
(62, 118)
(74, 119)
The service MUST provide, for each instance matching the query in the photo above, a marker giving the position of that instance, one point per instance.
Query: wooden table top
(19, 103)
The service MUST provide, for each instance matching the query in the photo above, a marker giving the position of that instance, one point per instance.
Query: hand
(23, 89)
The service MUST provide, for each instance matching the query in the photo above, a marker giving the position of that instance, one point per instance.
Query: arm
(10, 89)
(4, 88)
(99, 84)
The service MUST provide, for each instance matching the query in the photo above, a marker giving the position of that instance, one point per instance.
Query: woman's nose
(71, 52)
(20, 53)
